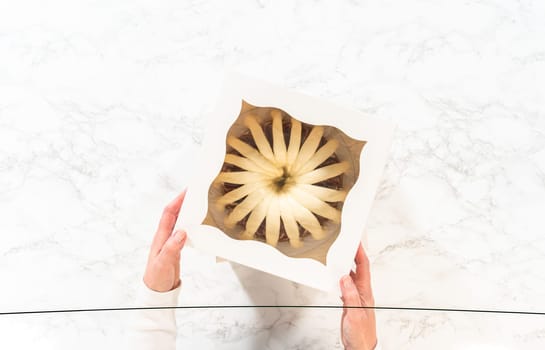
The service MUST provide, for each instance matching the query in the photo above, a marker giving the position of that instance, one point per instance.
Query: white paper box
(259, 255)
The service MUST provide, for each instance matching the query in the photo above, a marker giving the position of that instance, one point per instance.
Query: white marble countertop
(101, 107)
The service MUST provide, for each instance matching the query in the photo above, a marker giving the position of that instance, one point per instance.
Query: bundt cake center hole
(281, 183)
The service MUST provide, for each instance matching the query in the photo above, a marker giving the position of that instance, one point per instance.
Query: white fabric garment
(156, 329)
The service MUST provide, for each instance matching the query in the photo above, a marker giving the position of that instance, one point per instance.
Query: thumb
(173, 245)
(350, 295)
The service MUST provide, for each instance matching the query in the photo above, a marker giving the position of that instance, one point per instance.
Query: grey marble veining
(101, 111)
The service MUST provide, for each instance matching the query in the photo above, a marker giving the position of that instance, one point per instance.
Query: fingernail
(179, 236)
(347, 282)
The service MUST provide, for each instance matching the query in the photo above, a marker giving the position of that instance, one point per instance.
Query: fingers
(173, 245)
(167, 222)
(350, 295)
(361, 259)
(362, 276)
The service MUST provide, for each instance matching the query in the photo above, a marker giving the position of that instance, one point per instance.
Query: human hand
(163, 268)
(358, 325)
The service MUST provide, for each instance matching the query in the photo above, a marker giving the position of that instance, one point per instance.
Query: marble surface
(101, 107)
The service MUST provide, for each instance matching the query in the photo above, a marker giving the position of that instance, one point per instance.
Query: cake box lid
(377, 135)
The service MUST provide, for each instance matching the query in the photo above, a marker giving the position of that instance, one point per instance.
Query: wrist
(158, 288)
(149, 297)
(374, 347)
